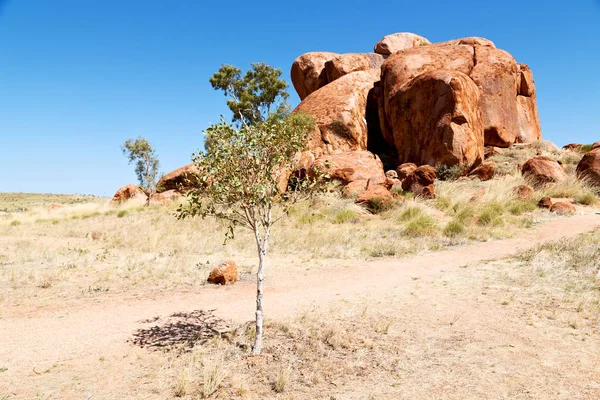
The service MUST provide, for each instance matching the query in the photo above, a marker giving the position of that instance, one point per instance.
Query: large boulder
(421, 182)
(375, 198)
(350, 166)
(339, 109)
(485, 171)
(400, 68)
(164, 198)
(495, 73)
(528, 120)
(435, 119)
(308, 72)
(180, 179)
(352, 62)
(589, 167)
(224, 274)
(405, 170)
(542, 170)
(393, 43)
(596, 145)
(130, 194)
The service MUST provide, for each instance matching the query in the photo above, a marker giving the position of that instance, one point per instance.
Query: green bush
(122, 213)
(423, 225)
(15, 223)
(453, 229)
(344, 216)
(410, 213)
(450, 172)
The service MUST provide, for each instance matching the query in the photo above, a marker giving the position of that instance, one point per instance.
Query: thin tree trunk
(260, 276)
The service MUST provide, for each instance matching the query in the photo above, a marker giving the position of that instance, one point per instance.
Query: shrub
(122, 213)
(453, 229)
(344, 216)
(491, 214)
(15, 223)
(423, 225)
(587, 199)
(519, 207)
(450, 172)
(410, 213)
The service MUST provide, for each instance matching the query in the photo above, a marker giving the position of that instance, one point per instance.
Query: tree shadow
(180, 331)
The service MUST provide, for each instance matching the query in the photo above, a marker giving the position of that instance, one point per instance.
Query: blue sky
(77, 77)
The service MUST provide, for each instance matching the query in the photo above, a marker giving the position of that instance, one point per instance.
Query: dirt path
(76, 342)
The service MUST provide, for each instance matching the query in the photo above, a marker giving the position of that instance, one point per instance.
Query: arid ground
(101, 303)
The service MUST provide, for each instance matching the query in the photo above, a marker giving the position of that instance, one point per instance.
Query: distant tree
(241, 171)
(255, 96)
(141, 153)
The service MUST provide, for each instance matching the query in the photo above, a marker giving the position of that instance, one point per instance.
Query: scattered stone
(545, 202)
(131, 194)
(350, 166)
(405, 169)
(563, 208)
(355, 188)
(375, 197)
(541, 170)
(224, 274)
(485, 171)
(588, 168)
(421, 182)
(391, 174)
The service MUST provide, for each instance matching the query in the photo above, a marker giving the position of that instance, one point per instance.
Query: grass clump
(454, 228)
(410, 213)
(121, 213)
(423, 225)
(16, 222)
(345, 216)
(588, 199)
(491, 214)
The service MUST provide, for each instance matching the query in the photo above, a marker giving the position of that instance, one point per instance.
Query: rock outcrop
(396, 42)
(485, 171)
(308, 72)
(588, 168)
(529, 129)
(352, 62)
(131, 194)
(179, 179)
(541, 170)
(421, 182)
(339, 109)
(596, 145)
(224, 274)
(429, 131)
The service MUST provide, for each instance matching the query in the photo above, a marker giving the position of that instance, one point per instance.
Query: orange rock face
(179, 179)
(308, 72)
(224, 274)
(163, 198)
(495, 73)
(528, 120)
(351, 166)
(405, 170)
(352, 62)
(393, 43)
(421, 182)
(545, 202)
(563, 208)
(401, 68)
(339, 109)
(543, 170)
(435, 119)
(131, 194)
(485, 171)
(589, 167)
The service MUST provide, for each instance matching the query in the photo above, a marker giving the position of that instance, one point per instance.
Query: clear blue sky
(78, 77)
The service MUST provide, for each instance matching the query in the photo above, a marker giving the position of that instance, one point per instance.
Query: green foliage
(491, 215)
(242, 170)
(453, 229)
(344, 216)
(141, 153)
(122, 213)
(257, 95)
(450, 172)
(410, 213)
(422, 225)
(585, 148)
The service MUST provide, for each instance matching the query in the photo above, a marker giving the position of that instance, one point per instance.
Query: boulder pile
(411, 101)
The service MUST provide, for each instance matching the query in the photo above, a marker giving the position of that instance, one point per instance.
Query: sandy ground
(83, 352)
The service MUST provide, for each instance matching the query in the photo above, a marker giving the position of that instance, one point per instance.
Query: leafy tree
(241, 173)
(255, 96)
(141, 153)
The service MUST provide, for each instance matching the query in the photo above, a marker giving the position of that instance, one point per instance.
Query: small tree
(140, 152)
(241, 173)
(257, 95)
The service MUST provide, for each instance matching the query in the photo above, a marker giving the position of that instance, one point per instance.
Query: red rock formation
(339, 109)
(352, 62)
(308, 72)
(485, 171)
(563, 208)
(179, 179)
(350, 166)
(224, 274)
(543, 170)
(589, 167)
(421, 182)
(393, 43)
(131, 194)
